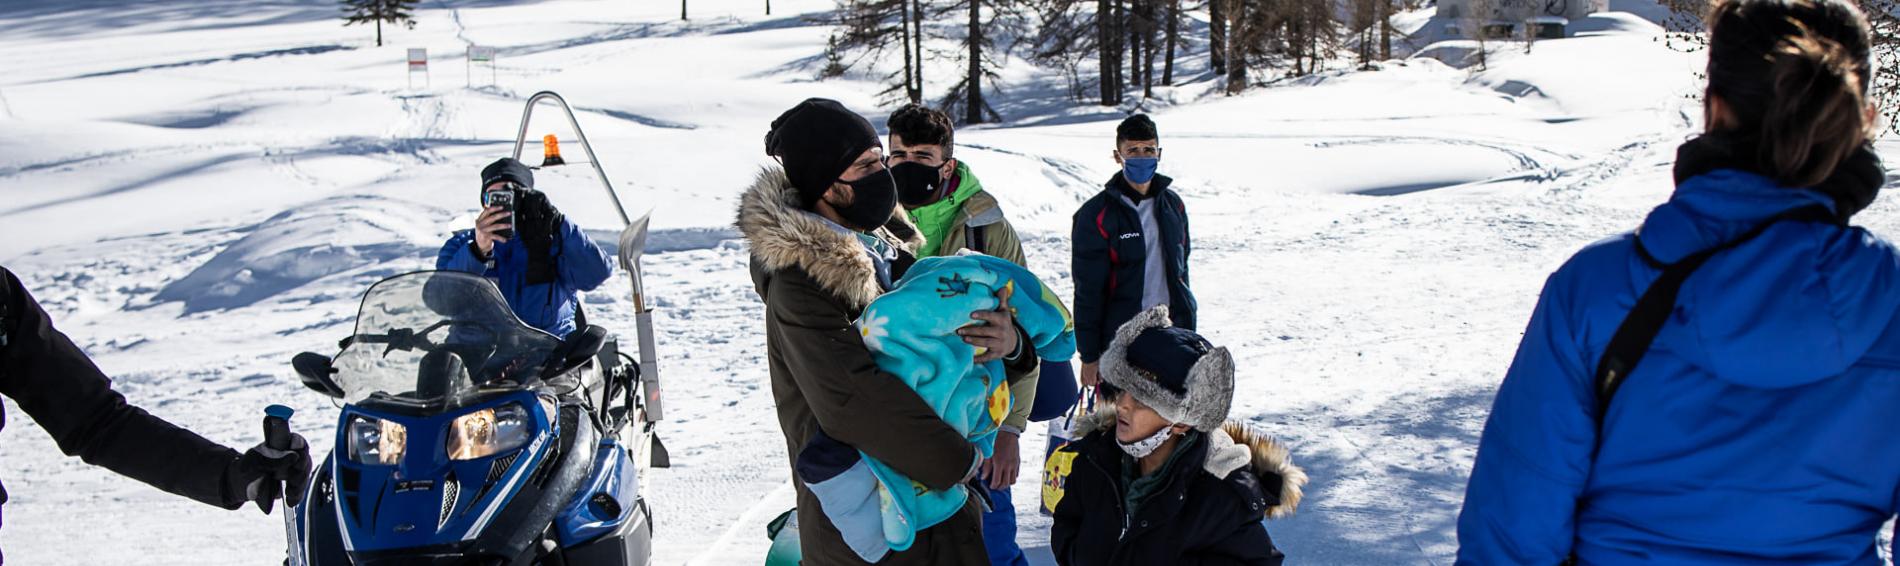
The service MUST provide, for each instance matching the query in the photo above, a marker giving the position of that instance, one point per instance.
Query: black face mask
(917, 184)
(874, 199)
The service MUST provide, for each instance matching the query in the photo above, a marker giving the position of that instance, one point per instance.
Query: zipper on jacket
(1120, 510)
(1127, 515)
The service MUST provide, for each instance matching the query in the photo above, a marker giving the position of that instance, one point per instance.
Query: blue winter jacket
(1758, 429)
(580, 266)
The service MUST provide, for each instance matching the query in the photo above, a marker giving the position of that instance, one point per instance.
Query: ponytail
(1795, 74)
(1816, 117)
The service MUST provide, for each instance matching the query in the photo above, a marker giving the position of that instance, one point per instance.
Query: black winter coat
(1195, 518)
(1110, 257)
(56, 384)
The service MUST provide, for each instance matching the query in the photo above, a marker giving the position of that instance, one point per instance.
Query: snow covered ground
(200, 190)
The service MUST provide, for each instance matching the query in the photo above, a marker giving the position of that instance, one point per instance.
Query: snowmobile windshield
(438, 339)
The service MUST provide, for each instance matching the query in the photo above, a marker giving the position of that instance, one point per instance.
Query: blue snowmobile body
(468, 437)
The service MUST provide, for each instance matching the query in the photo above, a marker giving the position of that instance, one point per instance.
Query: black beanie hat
(507, 169)
(816, 141)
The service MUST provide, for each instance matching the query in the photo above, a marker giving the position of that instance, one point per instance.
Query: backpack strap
(1645, 320)
(973, 239)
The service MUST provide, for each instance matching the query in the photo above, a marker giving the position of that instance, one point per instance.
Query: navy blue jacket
(1759, 427)
(1109, 256)
(580, 266)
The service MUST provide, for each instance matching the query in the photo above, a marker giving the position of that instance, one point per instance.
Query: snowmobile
(469, 437)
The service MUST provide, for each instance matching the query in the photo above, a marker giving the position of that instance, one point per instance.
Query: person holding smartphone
(540, 260)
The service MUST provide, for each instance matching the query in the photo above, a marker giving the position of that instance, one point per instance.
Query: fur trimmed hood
(1210, 384)
(781, 235)
(1234, 447)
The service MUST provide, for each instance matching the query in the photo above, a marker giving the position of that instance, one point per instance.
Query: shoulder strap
(973, 239)
(1645, 320)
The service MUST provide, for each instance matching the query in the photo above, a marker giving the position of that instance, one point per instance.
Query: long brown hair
(1794, 74)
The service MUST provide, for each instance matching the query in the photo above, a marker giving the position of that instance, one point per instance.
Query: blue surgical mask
(1139, 170)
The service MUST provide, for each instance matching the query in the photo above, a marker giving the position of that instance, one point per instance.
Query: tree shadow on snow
(1385, 488)
(71, 18)
(664, 30)
(271, 53)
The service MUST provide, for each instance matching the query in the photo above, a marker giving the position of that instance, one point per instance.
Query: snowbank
(302, 245)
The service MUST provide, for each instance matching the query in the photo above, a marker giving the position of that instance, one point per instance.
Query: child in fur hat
(1161, 477)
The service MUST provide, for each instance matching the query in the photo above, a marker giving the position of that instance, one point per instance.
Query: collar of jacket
(936, 219)
(1852, 186)
(781, 235)
(1281, 481)
(1118, 185)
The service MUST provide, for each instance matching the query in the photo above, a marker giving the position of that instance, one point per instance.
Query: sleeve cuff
(475, 251)
(1022, 346)
(976, 464)
(1012, 429)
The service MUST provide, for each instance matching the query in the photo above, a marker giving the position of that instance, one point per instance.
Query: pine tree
(1174, 29)
(1217, 36)
(1107, 12)
(973, 82)
(1385, 30)
(1239, 33)
(867, 28)
(392, 11)
(1066, 34)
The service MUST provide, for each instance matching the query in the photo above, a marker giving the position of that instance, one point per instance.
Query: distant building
(1507, 18)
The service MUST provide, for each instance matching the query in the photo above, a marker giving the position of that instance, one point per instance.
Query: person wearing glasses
(540, 261)
(1131, 247)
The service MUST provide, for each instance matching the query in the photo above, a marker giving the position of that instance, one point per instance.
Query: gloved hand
(537, 223)
(536, 218)
(263, 473)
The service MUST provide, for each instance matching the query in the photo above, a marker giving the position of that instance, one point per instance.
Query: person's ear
(1118, 156)
(1716, 115)
(949, 168)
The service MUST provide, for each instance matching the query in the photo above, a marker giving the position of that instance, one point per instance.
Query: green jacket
(978, 214)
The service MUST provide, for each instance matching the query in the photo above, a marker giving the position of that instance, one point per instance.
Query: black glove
(536, 219)
(263, 473)
(538, 224)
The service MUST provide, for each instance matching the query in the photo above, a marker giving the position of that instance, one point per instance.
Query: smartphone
(504, 198)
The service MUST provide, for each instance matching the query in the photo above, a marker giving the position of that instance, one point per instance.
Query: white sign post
(418, 62)
(480, 54)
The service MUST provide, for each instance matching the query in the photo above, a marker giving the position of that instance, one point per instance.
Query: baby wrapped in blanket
(912, 334)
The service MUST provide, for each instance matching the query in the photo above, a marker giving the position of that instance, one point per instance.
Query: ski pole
(277, 437)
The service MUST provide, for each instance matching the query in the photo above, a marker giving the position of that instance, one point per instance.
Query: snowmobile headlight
(376, 441)
(489, 432)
